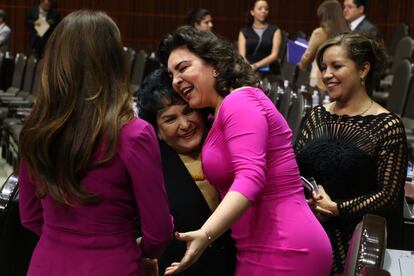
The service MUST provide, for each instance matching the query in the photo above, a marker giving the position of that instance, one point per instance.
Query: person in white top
(355, 15)
(5, 32)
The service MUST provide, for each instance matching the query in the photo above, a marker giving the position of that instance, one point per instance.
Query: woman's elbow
(32, 225)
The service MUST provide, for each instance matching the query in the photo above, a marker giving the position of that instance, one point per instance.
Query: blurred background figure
(331, 23)
(355, 14)
(200, 19)
(259, 42)
(5, 31)
(42, 20)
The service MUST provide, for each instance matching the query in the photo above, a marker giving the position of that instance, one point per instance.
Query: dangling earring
(362, 82)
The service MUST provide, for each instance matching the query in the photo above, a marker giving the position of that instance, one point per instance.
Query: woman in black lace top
(354, 148)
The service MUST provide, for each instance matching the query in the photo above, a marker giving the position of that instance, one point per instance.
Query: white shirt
(356, 22)
(42, 13)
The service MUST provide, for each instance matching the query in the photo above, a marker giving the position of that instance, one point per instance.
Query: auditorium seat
(296, 114)
(138, 70)
(16, 242)
(401, 30)
(400, 87)
(18, 74)
(367, 246)
(404, 50)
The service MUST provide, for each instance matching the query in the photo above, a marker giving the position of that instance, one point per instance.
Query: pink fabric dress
(248, 150)
(99, 239)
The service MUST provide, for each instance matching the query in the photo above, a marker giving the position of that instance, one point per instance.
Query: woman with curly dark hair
(181, 132)
(89, 167)
(353, 147)
(248, 156)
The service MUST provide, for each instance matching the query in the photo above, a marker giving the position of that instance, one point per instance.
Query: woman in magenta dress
(89, 168)
(248, 156)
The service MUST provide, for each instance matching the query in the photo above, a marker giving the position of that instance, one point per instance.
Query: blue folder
(295, 50)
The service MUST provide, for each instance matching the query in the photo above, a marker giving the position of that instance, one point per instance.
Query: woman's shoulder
(243, 99)
(246, 29)
(241, 95)
(134, 128)
(272, 27)
(319, 32)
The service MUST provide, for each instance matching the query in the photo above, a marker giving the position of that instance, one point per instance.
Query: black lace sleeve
(391, 172)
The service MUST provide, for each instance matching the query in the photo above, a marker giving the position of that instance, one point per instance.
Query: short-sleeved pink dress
(248, 150)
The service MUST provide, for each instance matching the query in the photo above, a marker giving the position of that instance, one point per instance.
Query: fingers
(189, 258)
(185, 262)
(316, 196)
(323, 211)
(321, 189)
(187, 236)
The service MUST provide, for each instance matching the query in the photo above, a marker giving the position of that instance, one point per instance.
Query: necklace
(360, 114)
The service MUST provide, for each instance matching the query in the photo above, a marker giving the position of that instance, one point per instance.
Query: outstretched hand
(197, 241)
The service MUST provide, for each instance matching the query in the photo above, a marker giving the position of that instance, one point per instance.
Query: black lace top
(361, 161)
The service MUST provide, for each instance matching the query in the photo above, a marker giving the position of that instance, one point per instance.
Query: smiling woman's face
(193, 79)
(181, 127)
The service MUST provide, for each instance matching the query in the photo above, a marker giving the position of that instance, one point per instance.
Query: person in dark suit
(181, 131)
(355, 15)
(38, 13)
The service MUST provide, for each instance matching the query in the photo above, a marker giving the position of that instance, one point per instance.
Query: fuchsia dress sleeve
(99, 238)
(248, 150)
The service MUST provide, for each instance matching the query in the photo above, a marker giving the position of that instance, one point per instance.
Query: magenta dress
(99, 239)
(248, 150)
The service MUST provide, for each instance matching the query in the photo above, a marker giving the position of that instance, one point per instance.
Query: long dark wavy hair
(233, 71)
(83, 100)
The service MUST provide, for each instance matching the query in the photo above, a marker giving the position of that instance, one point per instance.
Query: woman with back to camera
(259, 43)
(200, 19)
(248, 156)
(181, 131)
(353, 147)
(88, 166)
(331, 23)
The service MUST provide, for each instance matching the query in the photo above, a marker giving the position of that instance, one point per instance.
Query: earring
(362, 82)
(215, 75)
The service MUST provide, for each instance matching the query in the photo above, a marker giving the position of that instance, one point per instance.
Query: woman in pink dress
(89, 168)
(248, 156)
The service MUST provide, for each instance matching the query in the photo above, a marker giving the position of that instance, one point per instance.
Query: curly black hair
(233, 71)
(155, 94)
